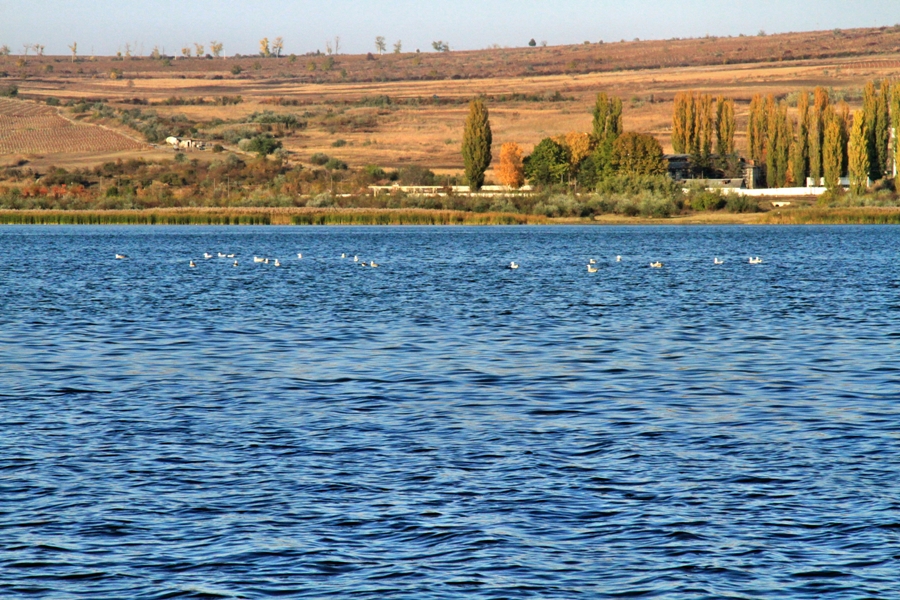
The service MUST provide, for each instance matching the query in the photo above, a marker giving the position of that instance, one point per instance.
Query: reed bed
(834, 216)
(256, 216)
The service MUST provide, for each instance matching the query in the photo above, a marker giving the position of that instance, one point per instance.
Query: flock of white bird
(513, 265)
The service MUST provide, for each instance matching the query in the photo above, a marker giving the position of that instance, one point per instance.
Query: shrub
(9, 91)
(263, 145)
(236, 70)
(335, 164)
(218, 148)
(415, 175)
(706, 200)
(338, 143)
(319, 158)
(741, 204)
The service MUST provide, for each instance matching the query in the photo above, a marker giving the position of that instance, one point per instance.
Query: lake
(442, 426)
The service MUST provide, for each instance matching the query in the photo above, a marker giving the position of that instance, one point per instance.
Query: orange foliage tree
(511, 171)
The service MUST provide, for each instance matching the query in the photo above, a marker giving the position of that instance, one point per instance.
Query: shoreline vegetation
(355, 216)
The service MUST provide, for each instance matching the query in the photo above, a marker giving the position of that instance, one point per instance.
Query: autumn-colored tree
(684, 118)
(216, 48)
(725, 126)
(843, 116)
(870, 114)
(380, 44)
(706, 129)
(74, 49)
(476, 145)
(778, 143)
(757, 130)
(638, 154)
(264, 47)
(199, 50)
(832, 149)
(858, 150)
(511, 171)
(278, 47)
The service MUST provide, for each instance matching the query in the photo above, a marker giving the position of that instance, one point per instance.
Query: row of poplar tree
(821, 140)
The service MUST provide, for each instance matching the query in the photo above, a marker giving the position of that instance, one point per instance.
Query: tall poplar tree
(725, 126)
(684, 123)
(607, 127)
(832, 150)
(882, 134)
(817, 133)
(476, 145)
(705, 129)
(799, 147)
(858, 150)
(778, 143)
(895, 122)
(870, 114)
(756, 130)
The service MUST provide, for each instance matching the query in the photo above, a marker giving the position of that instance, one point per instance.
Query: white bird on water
(716, 261)
(373, 264)
(191, 264)
(299, 255)
(222, 255)
(355, 259)
(618, 258)
(277, 264)
(592, 262)
(656, 265)
(755, 261)
(513, 265)
(257, 259)
(591, 269)
(207, 255)
(121, 256)
(231, 256)
(343, 255)
(235, 264)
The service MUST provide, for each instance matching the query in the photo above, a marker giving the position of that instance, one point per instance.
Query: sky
(103, 27)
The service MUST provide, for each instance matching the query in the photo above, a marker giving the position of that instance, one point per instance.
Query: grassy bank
(263, 216)
(833, 216)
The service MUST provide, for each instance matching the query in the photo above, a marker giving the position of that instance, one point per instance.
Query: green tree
(476, 144)
(547, 164)
(638, 154)
(817, 133)
(757, 130)
(882, 133)
(895, 121)
(778, 143)
(870, 114)
(800, 145)
(859, 153)
(263, 145)
(607, 127)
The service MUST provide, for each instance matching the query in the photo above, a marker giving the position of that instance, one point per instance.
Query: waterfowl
(364, 264)
(231, 256)
(513, 265)
(716, 261)
(591, 269)
(373, 264)
(191, 264)
(222, 255)
(618, 258)
(257, 259)
(266, 261)
(277, 264)
(355, 259)
(656, 265)
(121, 256)
(299, 255)
(592, 262)
(235, 264)
(755, 261)
(207, 255)
(343, 255)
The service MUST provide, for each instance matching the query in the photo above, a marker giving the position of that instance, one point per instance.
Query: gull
(266, 260)
(363, 264)
(513, 265)
(355, 259)
(343, 255)
(230, 256)
(257, 259)
(591, 269)
(755, 261)
(277, 264)
(235, 264)
(716, 261)
(222, 255)
(191, 264)
(373, 264)
(207, 255)
(121, 256)
(656, 265)
(592, 262)
(618, 258)
(299, 255)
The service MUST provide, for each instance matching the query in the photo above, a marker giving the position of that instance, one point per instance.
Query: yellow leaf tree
(511, 171)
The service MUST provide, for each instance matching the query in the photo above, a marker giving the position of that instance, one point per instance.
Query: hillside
(395, 110)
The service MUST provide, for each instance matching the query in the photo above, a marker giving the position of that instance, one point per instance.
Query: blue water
(442, 427)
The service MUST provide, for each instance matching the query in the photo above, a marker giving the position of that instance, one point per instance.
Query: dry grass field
(532, 92)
